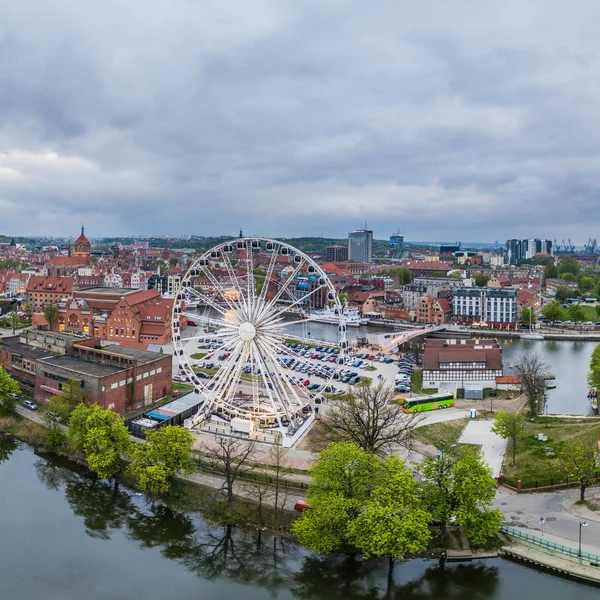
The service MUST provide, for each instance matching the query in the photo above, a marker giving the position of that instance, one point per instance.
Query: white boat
(351, 316)
(190, 303)
(532, 336)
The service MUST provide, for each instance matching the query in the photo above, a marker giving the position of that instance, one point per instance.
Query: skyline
(296, 119)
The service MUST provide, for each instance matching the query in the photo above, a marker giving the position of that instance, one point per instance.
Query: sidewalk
(493, 446)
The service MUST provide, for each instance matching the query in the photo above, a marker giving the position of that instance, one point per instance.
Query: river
(568, 361)
(64, 536)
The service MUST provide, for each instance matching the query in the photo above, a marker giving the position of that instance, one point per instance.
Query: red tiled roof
(38, 283)
(507, 379)
(67, 261)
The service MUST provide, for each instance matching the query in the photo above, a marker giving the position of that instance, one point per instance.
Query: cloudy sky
(448, 120)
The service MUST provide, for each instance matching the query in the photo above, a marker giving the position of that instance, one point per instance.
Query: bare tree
(533, 372)
(231, 457)
(260, 492)
(370, 417)
(278, 462)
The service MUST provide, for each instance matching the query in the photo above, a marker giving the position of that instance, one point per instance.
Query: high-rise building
(360, 245)
(336, 253)
(517, 250)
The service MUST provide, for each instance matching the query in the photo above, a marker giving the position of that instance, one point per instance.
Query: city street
(558, 509)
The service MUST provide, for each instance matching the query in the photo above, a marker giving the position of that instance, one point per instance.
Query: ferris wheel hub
(247, 331)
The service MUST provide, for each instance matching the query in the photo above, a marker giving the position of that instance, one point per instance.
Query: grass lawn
(198, 355)
(447, 432)
(532, 464)
(182, 387)
(416, 385)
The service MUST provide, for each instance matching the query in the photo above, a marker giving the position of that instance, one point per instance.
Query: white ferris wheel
(252, 291)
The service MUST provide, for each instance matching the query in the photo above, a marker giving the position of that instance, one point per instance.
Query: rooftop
(14, 345)
(109, 291)
(78, 365)
(141, 356)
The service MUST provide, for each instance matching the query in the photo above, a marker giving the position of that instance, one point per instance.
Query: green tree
(586, 283)
(459, 484)
(580, 459)
(564, 293)
(569, 265)
(510, 427)
(553, 311)
(593, 377)
(567, 277)
(51, 315)
(63, 404)
(344, 298)
(528, 316)
(174, 261)
(551, 272)
(14, 320)
(102, 436)
(575, 313)
(342, 480)
(28, 310)
(167, 451)
(455, 275)
(481, 280)
(392, 521)
(9, 390)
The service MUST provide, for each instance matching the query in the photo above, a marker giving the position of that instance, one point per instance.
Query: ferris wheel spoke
(269, 305)
(227, 345)
(217, 285)
(221, 378)
(292, 391)
(269, 391)
(263, 292)
(233, 376)
(206, 299)
(222, 323)
(250, 286)
(272, 317)
(236, 284)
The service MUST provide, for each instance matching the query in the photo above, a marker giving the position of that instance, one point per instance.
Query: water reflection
(252, 557)
(7, 446)
(475, 582)
(568, 361)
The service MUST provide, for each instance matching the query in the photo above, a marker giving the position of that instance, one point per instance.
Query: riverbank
(547, 333)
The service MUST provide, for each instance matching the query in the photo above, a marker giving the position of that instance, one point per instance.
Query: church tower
(82, 245)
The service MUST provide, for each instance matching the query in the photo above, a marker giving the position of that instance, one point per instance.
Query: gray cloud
(447, 120)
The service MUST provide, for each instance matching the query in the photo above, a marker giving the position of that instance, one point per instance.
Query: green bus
(422, 403)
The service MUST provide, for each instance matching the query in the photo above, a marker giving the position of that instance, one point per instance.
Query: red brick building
(124, 316)
(48, 290)
(114, 377)
(433, 311)
(59, 266)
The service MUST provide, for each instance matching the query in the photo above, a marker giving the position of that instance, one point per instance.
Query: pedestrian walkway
(492, 445)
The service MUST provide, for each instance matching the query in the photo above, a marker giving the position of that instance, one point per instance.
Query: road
(560, 514)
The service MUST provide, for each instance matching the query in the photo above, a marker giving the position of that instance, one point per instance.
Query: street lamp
(542, 523)
(581, 524)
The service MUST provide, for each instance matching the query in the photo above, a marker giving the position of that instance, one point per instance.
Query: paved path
(561, 516)
(493, 446)
(441, 416)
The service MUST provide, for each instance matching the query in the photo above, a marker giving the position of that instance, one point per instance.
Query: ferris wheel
(253, 292)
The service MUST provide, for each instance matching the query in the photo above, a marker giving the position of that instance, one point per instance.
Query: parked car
(30, 405)
(302, 505)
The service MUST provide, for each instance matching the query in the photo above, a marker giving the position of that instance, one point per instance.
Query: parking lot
(312, 367)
